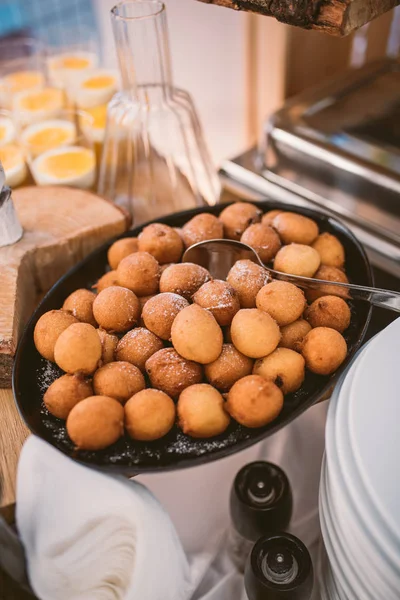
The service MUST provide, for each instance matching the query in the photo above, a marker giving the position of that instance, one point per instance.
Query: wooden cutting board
(61, 226)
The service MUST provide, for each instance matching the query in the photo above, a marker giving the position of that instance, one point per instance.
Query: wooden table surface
(12, 435)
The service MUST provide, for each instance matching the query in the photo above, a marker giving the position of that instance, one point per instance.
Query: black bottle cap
(261, 500)
(279, 567)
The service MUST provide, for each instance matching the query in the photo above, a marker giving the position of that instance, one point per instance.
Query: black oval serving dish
(33, 374)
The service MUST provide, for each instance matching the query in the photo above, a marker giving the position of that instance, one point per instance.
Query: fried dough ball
(121, 249)
(106, 281)
(254, 402)
(297, 259)
(160, 311)
(269, 216)
(237, 217)
(254, 333)
(329, 274)
(324, 349)
(162, 242)
(295, 229)
(263, 239)
(149, 415)
(202, 227)
(165, 266)
(230, 366)
(96, 423)
(80, 304)
(329, 311)
(201, 411)
(247, 278)
(282, 300)
(220, 298)
(137, 346)
(171, 373)
(78, 349)
(284, 367)
(119, 380)
(330, 249)
(140, 273)
(116, 309)
(144, 299)
(47, 330)
(66, 391)
(196, 335)
(108, 346)
(294, 334)
(184, 279)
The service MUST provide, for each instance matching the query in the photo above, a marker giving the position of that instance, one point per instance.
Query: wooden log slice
(336, 17)
(61, 226)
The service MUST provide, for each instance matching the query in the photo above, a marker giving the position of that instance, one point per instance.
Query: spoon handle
(388, 299)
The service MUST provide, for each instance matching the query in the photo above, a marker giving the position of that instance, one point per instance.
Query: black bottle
(260, 502)
(279, 568)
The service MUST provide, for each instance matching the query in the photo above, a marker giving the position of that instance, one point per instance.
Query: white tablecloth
(198, 501)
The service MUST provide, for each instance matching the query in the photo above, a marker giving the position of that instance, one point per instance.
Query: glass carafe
(154, 159)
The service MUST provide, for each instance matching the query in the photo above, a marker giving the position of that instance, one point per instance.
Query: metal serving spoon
(219, 256)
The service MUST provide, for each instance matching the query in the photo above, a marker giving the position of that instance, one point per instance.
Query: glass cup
(22, 68)
(71, 52)
(60, 150)
(12, 156)
(37, 105)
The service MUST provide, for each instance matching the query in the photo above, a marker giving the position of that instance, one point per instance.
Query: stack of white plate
(360, 479)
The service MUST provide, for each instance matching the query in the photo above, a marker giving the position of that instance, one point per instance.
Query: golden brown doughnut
(183, 279)
(295, 229)
(254, 332)
(237, 217)
(149, 415)
(282, 300)
(201, 411)
(66, 391)
(162, 242)
(108, 346)
(328, 274)
(230, 366)
(269, 216)
(263, 239)
(297, 259)
(220, 298)
(140, 273)
(330, 250)
(196, 335)
(160, 311)
(116, 309)
(107, 280)
(329, 311)
(200, 228)
(247, 278)
(324, 349)
(137, 346)
(119, 380)
(96, 423)
(254, 402)
(78, 349)
(284, 367)
(80, 304)
(48, 328)
(294, 334)
(121, 249)
(171, 373)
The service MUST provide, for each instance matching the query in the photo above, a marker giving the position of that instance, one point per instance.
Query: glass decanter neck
(141, 38)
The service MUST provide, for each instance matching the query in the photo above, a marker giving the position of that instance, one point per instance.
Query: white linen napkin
(93, 536)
